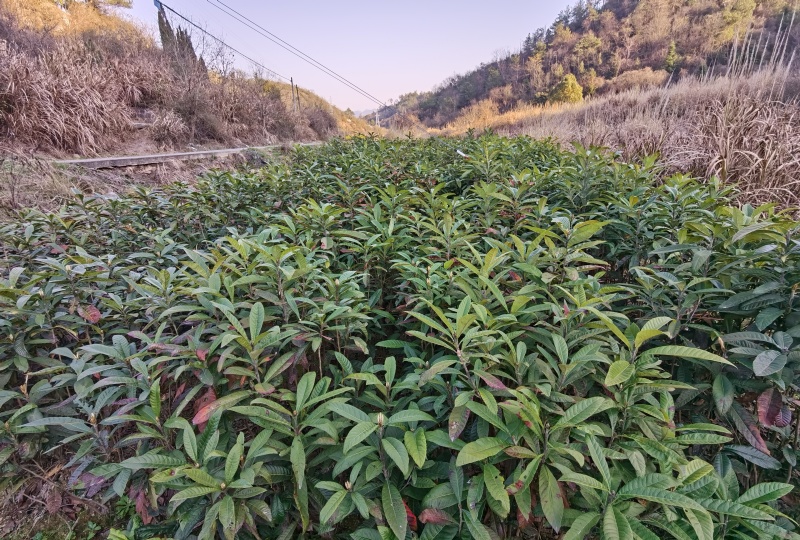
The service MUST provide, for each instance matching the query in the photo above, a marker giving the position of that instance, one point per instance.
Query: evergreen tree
(567, 91)
(165, 31)
(673, 58)
(178, 44)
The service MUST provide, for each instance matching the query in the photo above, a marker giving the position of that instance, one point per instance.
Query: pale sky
(386, 48)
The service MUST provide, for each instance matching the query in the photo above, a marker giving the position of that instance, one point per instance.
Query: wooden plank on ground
(154, 159)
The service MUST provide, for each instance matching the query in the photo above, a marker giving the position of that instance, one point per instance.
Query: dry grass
(61, 100)
(29, 182)
(743, 128)
(81, 82)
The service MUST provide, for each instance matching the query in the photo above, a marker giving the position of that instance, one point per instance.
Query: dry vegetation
(743, 128)
(82, 81)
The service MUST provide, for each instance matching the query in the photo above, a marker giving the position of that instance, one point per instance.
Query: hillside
(596, 48)
(78, 78)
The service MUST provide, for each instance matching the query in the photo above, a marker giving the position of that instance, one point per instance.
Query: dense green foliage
(567, 91)
(613, 45)
(478, 338)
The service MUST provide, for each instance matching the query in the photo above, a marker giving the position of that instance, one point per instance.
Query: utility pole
(294, 104)
(377, 118)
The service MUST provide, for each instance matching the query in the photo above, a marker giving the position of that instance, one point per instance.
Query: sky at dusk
(386, 48)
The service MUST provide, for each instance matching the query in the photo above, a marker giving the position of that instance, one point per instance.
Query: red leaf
(412, 519)
(201, 354)
(90, 314)
(435, 517)
(491, 381)
(142, 507)
(769, 406)
(748, 427)
(202, 411)
(522, 520)
(784, 417)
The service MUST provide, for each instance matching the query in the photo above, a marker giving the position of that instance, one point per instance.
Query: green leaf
(656, 323)
(687, 352)
(410, 415)
(599, 459)
(232, 461)
(72, 424)
(619, 372)
(750, 229)
(417, 446)
(561, 348)
(475, 495)
(616, 525)
(261, 509)
(582, 526)
(702, 523)
(155, 397)
(358, 433)
(440, 497)
(495, 485)
(192, 493)
(395, 450)
(754, 456)
(394, 510)
(768, 316)
(151, 461)
(480, 449)
(256, 320)
(743, 337)
(723, 392)
(227, 516)
(769, 362)
(764, 492)
(583, 480)
(391, 344)
(477, 530)
(662, 496)
(333, 504)
(304, 389)
(731, 508)
(6, 453)
(201, 477)
(550, 498)
(297, 456)
(702, 438)
(582, 410)
(348, 411)
(429, 374)
(645, 335)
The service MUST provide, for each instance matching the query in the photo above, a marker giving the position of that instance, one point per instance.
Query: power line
(231, 12)
(159, 5)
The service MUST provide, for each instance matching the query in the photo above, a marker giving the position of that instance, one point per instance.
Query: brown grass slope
(85, 81)
(743, 128)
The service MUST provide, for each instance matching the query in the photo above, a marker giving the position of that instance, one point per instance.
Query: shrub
(322, 122)
(636, 78)
(469, 338)
(567, 91)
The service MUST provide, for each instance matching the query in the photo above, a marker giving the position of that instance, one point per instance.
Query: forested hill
(611, 46)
